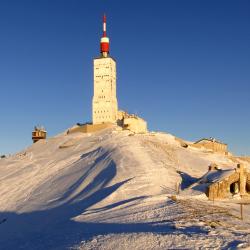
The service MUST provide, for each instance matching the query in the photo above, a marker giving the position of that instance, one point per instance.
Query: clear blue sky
(184, 66)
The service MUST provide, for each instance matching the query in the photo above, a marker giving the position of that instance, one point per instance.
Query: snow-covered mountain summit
(74, 187)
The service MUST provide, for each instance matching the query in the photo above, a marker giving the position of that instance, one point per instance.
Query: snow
(113, 190)
(217, 175)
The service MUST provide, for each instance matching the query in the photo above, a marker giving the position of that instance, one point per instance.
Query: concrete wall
(104, 103)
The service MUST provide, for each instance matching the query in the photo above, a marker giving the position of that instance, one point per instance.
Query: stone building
(131, 122)
(211, 144)
(38, 133)
(225, 183)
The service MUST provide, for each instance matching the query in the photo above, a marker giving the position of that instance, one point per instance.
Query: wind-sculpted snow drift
(108, 190)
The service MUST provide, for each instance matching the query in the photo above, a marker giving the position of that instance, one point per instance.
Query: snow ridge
(109, 190)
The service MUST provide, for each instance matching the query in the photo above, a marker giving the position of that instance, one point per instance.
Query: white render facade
(104, 103)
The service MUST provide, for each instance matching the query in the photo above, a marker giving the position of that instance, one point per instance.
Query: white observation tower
(104, 103)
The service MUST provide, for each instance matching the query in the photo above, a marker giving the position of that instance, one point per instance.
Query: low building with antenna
(38, 133)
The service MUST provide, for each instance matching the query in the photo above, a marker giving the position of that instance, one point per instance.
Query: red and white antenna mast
(104, 45)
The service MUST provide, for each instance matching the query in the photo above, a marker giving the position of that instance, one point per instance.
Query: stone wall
(237, 182)
(131, 122)
(212, 145)
(221, 189)
(90, 128)
(135, 124)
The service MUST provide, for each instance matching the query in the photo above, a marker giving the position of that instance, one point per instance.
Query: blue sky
(184, 66)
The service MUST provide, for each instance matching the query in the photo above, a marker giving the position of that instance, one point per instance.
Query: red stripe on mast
(104, 45)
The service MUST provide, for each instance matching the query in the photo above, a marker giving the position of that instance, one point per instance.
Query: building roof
(39, 128)
(210, 140)
(101, 57)
(217, 175)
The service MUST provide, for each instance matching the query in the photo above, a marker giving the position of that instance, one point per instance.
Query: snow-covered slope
(107, 190)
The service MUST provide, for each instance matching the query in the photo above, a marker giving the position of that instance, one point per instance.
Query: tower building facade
(104, 103)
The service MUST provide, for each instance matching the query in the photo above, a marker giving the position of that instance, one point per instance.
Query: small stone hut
(38, 133)
(211, 144)
(131, 122)
(225, 183)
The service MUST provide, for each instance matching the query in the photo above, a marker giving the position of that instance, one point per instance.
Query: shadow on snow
(187, 180)
(54, 228)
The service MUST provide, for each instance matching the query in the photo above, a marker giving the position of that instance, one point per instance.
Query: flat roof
(209, 139)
